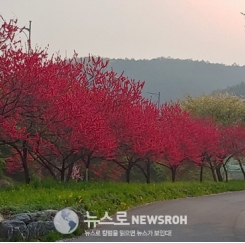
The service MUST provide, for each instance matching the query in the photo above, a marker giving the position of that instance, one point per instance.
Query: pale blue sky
(210, 30)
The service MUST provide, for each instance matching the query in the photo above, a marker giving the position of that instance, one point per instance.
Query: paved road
(209, 218)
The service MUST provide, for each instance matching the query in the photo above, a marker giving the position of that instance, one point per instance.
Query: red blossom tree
(64, 114)
(45, 106)
(178, 133)
(207, 140)
(138, 137)
(232, 144)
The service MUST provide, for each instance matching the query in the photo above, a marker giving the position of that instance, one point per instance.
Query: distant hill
(175, 78)
(238, 90)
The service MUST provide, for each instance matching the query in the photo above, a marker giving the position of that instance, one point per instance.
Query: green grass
(98, 197)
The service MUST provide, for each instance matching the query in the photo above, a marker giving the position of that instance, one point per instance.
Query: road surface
(209, 218)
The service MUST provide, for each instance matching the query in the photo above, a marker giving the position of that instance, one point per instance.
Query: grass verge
(100, 197)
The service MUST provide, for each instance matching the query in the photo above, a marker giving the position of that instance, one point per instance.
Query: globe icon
(66, 221)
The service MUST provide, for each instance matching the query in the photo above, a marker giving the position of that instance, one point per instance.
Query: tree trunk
(87, 169)
(243, 172)
(128, 171)
(213, 172)
(226, 173)
(87, 174)
(218, 173)
(201, 173)
(62, 172)
(173, 172)
(68, 176)
(148, 172)
(24, 164)
(62, 175)
(214, 175)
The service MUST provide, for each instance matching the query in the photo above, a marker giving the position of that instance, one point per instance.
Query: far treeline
(176, 78)
(238, 90)
(70, 119)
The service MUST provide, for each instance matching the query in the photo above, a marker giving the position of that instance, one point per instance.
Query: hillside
(175, 78)
(238, 90)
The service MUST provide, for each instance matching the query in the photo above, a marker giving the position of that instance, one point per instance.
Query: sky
(209, 30)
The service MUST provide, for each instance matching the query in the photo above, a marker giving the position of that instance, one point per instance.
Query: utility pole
(29, 39)
(158, 98)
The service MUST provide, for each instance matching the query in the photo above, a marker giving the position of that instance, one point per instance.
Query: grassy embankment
(101, 197)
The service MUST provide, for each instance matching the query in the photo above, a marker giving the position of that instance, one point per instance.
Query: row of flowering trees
(59, 115)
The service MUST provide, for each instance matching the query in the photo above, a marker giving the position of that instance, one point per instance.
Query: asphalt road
(209, 218)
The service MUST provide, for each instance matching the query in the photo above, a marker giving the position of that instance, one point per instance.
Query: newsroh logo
(159, 219)
(66, 221)
(122, 219)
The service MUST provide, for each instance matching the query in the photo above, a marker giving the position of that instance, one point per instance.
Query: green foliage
(225, 109)
(101, 197)
(52, 236)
